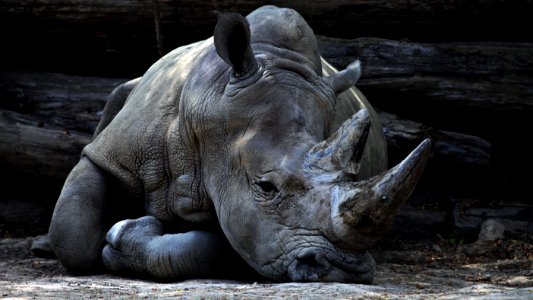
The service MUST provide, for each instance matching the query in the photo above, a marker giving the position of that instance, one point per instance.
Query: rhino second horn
(329, 159)
(361, 212)
(346, 78)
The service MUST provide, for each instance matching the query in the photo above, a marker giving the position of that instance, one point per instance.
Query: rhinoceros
(248, 142)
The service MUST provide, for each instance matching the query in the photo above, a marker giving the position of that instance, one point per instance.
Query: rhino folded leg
(78, 225)
(139, 247)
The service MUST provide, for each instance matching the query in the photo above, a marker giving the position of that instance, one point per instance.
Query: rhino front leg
(77, 229)
(138, 246)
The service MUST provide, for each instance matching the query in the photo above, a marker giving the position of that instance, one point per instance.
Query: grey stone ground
(414, 274)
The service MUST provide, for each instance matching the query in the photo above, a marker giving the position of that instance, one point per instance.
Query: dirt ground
(408, 270)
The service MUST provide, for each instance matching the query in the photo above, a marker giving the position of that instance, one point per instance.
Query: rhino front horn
(361, 212)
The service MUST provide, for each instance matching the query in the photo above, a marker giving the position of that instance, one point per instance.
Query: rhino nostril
(313, 259)
(309, 266)
(267, 187)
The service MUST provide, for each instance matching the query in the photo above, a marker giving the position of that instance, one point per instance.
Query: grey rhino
(247, 142)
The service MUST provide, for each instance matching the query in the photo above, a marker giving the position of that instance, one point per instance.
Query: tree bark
(57, 100)
(428, 20)
(121, 37)
(29, 147)
(486, 76)
(404, 135)
(480, 89)
(46, 119)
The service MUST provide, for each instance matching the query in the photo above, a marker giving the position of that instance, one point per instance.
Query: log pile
(459, 72)
(125, 37)
(480, 76)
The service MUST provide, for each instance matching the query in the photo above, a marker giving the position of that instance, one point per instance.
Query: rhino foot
(128, 242)
(138, 247)
(41, 247)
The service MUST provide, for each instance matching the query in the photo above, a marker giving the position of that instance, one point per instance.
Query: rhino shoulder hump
(133, 147)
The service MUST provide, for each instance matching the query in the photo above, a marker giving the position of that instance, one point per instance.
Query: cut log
(57, 100)
(404, 135)
(21, 211)
(29, 147)
(46, 119)
(480, 89)
(485, 76)
(435, 19)
(121, 37)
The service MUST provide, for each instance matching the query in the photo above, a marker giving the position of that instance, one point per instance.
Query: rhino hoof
(41, 247)
(127, 241)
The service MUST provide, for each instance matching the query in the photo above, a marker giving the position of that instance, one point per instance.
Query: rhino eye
(267, 188)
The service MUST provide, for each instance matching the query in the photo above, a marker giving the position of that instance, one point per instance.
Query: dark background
(462, 66)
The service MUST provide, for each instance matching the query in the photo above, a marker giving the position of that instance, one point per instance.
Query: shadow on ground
(500, 269)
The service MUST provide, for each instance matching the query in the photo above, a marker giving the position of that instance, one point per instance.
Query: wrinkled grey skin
(248, 138)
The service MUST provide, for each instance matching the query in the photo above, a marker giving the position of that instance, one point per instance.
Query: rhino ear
(232, 42)
(346, 78)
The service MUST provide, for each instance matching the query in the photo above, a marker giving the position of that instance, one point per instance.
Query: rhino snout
(319, 265)
(309, 265)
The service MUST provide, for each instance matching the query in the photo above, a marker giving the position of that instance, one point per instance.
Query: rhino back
(349, 102)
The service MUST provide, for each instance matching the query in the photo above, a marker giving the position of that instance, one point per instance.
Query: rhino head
(290, 188)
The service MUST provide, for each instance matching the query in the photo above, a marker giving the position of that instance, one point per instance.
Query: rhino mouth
(318, 264)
